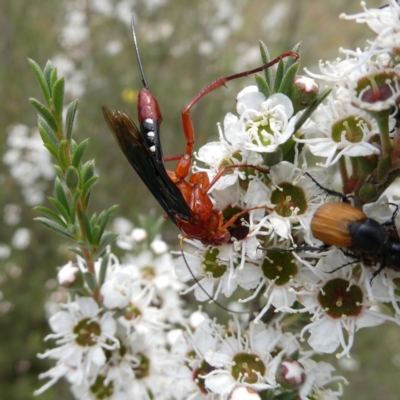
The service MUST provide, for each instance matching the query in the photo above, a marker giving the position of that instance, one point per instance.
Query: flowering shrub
(123, 332)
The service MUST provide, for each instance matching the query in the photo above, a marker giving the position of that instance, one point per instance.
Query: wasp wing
(140, 156)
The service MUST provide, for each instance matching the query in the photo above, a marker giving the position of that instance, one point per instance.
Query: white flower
(116, 290)
(83, 332)
(264, 124)
(338, 302)
(384, 21)
(245, 360)
(68, 274)
(339, 129)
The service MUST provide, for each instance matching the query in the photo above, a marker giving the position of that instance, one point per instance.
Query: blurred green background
(184, 46)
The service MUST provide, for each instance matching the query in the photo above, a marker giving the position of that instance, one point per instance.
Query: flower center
(212, 264)
(280, 267)
(132, 312)
(379, 87)
(142, 370)
(148, 272)
(86, 331)
(340, 299)
(237, 230)
(100, 389)
(288, 199)
(247, 368)
(204, 369)
(353, 128)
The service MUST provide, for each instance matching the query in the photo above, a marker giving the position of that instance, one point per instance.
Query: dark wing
(152, 173)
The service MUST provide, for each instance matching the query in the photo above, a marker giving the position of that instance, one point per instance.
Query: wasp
(186, 202)
(362, 238)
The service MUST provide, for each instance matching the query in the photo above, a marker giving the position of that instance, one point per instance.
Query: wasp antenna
(144, 80)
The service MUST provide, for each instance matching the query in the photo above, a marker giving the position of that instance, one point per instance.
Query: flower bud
(69, 275)
(305, 91)
(244, 393)
(290, 374)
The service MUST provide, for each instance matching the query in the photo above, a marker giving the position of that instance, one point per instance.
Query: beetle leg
(377, 272)
(298, 249)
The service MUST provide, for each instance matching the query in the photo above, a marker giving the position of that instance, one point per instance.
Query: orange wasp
(186, 202)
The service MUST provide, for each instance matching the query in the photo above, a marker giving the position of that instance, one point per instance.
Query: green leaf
(41, 79)
(84, 243)
(47, 142)
(53, 79)
(292, 395)
(69, 120)
(49, 133)
(86, 226)
(59, 207)
(45, 113)
(76, 251)
(295, 355)
(290, 60)
(95, 235)
(266, 58)
(59, 171)
(58, 95)
(88, 185)
(262, 85)
(48, 69)
(278, 77)
(310, 109)
(73, 207)
(106, 239)
(54, 227)
(62, 158)
(88, 171)
(60, 195)
(72, 178)
(288, 80)
(93, 220)
(78, 153)
(90, 280)
(120, 313)
(102, 222)
(51, 215)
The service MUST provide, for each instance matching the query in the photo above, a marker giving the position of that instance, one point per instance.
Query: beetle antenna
(144, 80)
(329, 192)
(204, 290)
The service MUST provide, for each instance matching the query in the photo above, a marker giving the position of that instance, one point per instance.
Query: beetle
(362, 238)
(186, 202)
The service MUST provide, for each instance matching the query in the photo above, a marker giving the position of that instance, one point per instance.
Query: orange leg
(239, 214)
(183, 167)
(223, 169)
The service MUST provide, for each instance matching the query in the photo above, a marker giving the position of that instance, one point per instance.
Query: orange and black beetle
(342, 225)
(345, 226)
